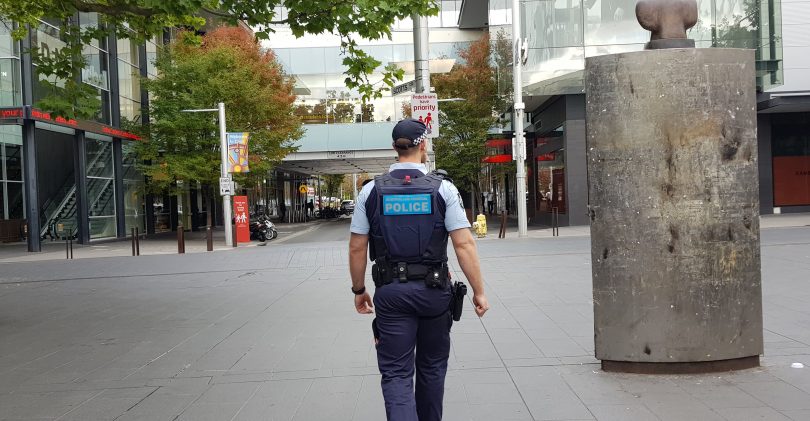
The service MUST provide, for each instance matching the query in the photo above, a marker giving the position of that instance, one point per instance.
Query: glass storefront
(562, 33)
(100, 187)
(791, 159)
(56, 179)
(323, 97)
(12, 201)
(134, 202)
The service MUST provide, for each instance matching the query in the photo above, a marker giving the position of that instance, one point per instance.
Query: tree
(228, 66)
(332, 184)
(464, 124)
(143, 19)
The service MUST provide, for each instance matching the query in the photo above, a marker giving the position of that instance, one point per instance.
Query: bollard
(555, 222)
(209, 237)
(137, 242)
(67, 250)
(71, 248)
(233, 231)
(181, 240)
(502, 233)
(133, 241)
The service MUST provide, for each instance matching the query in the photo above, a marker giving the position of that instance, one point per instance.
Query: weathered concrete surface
(673, 190)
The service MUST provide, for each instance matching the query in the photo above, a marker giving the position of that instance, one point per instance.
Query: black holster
(458, 290)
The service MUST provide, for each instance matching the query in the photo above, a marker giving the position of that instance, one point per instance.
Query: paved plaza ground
(270, 333)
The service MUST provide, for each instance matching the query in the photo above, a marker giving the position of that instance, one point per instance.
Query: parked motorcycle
(262, 229)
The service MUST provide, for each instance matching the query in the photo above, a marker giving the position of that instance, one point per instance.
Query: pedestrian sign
(225, 186)
(425, 108)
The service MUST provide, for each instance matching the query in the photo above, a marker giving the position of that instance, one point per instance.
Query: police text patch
(407, 204)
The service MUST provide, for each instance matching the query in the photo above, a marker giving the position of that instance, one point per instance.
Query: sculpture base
(663, 44)
(681, 368)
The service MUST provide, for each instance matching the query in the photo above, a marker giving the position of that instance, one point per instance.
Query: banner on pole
(241, 217)
(238, 152)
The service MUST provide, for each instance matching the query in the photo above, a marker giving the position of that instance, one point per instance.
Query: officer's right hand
(481, 304)
(363, 303)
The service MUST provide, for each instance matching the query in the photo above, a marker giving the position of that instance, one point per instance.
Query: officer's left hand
(363, 303)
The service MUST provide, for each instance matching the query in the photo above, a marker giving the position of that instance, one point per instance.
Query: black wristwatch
(361, 291)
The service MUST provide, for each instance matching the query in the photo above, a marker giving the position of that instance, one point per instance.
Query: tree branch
(119, 9)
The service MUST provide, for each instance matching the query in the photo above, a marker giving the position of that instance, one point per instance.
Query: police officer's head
(410, 139)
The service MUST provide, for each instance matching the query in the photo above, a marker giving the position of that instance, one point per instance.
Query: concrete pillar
(674, 209)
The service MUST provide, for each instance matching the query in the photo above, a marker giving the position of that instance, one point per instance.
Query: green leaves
(143, 19)
(228, 67)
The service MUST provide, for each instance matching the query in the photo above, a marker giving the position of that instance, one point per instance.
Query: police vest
(406, 215)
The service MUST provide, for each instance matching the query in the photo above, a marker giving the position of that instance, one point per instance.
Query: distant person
(310, 208)
(490, 202)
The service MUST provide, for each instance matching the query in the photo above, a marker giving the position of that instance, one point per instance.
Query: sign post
(240, 211)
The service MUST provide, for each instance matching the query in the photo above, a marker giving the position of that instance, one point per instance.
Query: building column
(120, 211)
(29, 149)
(576, 168)
(150, 213)
(80, 178)
(30, 185)
(765, 158)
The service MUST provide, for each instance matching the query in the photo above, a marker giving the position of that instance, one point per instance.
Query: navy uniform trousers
(413, 330)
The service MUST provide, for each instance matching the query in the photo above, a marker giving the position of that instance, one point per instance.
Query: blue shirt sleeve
(360, 223)
(454, 216)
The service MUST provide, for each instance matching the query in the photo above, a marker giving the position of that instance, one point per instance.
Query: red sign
(242, 218)
(547, 157)
(497, 159)
(11, 113)
(791, 180)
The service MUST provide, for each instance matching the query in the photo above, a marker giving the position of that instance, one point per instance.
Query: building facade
(562, 34)
(337, 122)
(66, 177)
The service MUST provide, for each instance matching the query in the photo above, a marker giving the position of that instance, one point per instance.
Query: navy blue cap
(411, 129)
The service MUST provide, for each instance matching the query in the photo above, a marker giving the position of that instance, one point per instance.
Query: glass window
(10, 85)
(15, 200)
(95, 72)
(129, 80)
(333, 60)
(99, 158)
(130, 110)
(151, 57)
(128, 51)
(305, 61)
(13, 162)
(100, 188)
(8, 46)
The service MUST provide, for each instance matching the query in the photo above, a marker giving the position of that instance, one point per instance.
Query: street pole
(421, 60)
(226, 199)
(519, 146)
(354, 187)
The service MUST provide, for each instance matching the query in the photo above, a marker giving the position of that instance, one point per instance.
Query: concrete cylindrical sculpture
(674, 207)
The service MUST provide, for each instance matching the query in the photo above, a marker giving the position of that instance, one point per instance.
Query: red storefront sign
(242, 218)
(547, 157)
(31, 113)
(497, 159)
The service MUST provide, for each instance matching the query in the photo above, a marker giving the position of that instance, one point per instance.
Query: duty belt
(434, 275)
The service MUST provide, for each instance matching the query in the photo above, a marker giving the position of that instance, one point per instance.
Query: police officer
(406, 217)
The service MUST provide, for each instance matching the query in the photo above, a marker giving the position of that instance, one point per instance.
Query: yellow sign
(303, 189)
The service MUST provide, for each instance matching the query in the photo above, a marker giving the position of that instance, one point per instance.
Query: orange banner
(791, 180)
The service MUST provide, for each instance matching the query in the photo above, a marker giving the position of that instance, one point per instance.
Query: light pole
(223, 146)
(519, 146)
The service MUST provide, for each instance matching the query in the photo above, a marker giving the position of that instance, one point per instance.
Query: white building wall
(796, 45)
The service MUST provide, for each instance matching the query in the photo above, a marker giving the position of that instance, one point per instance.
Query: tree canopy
(464, 124)
(228, 66)
(143, 19)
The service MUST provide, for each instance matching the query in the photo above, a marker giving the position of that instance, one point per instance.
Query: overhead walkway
(342, 149)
